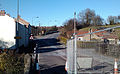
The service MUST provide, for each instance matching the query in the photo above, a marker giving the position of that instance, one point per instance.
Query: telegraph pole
(17, 25)
(17, 13)
(74, 22)
(75, 45)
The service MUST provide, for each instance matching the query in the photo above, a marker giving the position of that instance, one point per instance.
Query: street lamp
(34, 29)
(39, 23)
(33, 18)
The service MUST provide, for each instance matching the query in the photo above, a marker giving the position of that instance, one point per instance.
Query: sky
(56, 12)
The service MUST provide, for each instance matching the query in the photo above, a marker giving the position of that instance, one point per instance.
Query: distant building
(99, 36)
(40, 30)
(10, 37)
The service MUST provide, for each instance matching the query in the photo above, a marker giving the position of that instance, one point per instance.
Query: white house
(9, 34)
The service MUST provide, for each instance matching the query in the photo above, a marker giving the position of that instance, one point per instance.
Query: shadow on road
(48, 45)
(54, 70)
(43, 50)
(47, 42)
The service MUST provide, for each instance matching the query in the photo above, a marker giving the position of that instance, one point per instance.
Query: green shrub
(81, 44)
(63, 39)
(11, 64)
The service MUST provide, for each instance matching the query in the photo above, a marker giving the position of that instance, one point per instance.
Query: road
(51, 54)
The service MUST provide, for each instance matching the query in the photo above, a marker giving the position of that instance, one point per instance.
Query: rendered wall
(7, 32)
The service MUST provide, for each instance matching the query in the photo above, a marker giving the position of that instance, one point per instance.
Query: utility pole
(75, 45)
(17, 25)
(17, 13)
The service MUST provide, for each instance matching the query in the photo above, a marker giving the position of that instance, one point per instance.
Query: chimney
(2, 13)
(18, 16)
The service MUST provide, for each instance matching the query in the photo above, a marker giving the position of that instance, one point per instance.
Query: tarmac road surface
(52, 54)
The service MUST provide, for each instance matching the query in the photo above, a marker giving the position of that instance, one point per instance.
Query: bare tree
(90, 14)
(97, 20)
(81, 18)
(68, 25)
(119, 17)
(86, 17)
(112, 20)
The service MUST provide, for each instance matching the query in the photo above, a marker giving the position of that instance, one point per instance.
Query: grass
(87, 28)
(110, 25)
(116, 32)
(94, 27)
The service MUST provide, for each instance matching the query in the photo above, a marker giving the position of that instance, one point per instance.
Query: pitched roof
(82, 32)
(106, 35)
(22, 21)
(111, 36)
(103, 34)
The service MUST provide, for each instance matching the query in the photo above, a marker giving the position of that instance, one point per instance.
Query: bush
(81, 44)
(112, 50)
(11, 64)
(63, 39)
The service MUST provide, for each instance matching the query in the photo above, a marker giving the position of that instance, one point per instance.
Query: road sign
(17, 37)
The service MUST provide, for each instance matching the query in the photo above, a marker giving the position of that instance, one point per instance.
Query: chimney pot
(2, 13)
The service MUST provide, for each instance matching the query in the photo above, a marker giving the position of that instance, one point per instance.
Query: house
(7, 30)
(24, 30)
(112, 38)
(84, 37)
(10, 36)
(99, 36)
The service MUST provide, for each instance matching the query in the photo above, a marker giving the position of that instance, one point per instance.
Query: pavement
(52, 54)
